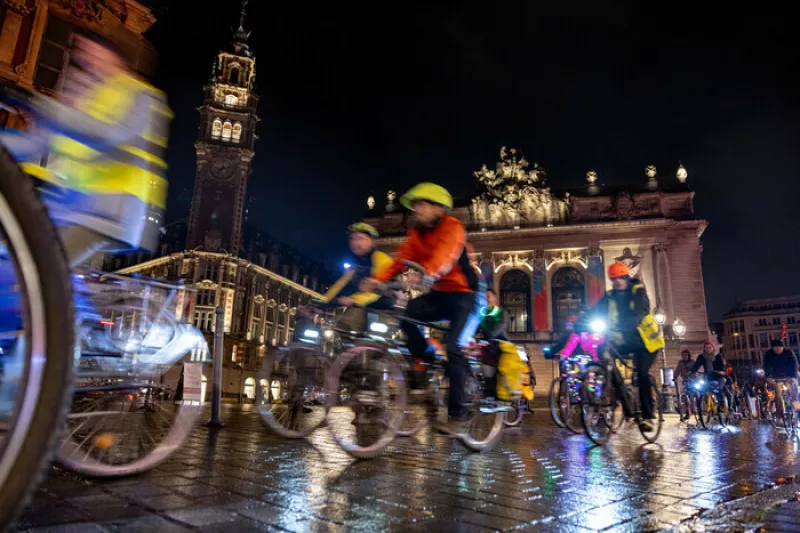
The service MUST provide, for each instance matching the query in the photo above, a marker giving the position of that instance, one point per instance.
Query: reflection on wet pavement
(540, 478)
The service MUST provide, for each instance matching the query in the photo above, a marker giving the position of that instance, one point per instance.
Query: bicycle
(292, 398)
(50, 311)
(603, 389)
(709, 406)
(565, 393)
(384, 347)
(785, 415)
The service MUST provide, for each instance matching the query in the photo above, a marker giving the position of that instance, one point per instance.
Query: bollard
(216, 386)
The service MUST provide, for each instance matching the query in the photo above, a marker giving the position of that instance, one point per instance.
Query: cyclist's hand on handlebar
(346, 301)
(368, 285)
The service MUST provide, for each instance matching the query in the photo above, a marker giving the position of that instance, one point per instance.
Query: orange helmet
(618, 270)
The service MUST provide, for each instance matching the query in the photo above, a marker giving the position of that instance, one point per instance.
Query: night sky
(358, 101)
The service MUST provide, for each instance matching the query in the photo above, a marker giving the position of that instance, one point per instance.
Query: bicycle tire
(267, 410)
(34, 243)
(497, 420)
(515, 420)
(571, 411)
(652, 437)
(554, 399)
(586, 408)
(333, 384)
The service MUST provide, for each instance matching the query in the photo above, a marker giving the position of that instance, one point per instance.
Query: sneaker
(646, 426)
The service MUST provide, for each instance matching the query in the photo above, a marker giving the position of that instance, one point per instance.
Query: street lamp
(661, 318)
(679, 328)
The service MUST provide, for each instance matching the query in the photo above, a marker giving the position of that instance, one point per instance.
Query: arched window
(250, 388)
(234, 78)
(226, 131)
(231, 99)
(216, 128)
(237, 132)
(515, 299)
(568, 294)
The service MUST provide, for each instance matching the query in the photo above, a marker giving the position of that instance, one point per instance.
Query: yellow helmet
(363, 227)
(429, 192)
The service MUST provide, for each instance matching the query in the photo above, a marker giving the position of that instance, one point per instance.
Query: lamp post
(666, 395)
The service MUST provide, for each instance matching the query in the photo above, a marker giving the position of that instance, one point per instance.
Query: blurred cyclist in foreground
(104, 138)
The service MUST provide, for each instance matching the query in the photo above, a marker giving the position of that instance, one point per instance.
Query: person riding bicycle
(705, 362)
(781, 363)
(495, 320)
(105, 142)
(438, 242)
(627, 309)
(366, 260)
(681, 373)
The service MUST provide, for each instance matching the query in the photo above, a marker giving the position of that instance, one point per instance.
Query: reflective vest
(648, 329)
(137, 168)
(127, 183)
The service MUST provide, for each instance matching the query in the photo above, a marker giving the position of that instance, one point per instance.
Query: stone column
(596, 282)
(541, 297)
(663, 279)
(487, 268)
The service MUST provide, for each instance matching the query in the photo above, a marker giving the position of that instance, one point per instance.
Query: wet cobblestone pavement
(540, 478)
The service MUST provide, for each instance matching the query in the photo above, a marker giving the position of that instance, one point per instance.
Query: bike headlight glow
(598, 325)
(378, 327)
(311, 334)
(328, 334)
(699, 384)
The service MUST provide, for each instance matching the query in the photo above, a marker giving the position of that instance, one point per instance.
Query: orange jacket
(441, 250)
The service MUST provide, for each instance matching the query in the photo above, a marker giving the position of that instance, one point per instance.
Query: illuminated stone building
(546, 251)
(259, 281)
(751, 325)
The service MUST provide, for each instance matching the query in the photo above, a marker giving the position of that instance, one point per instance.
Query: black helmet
(776, 342)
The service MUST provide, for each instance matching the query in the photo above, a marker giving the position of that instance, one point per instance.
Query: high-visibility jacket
(628, 312)
(361, 269)
(117, 187)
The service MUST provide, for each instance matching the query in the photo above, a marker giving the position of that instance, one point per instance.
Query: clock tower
(224, 148)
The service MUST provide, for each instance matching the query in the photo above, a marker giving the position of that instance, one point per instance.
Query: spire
(240, 36)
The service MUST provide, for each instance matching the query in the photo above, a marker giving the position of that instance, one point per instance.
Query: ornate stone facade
(259, 307)
(546, 251)
(225, 149)
(34, 35)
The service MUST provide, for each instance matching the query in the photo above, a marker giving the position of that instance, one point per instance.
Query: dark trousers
(460, 308)
(643, 360)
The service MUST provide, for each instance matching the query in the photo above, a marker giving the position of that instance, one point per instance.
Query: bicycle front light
(598, 325)
(699, 384)
(378, 327)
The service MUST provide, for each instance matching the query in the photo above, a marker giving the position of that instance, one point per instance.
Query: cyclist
(438, 242)
(627, 309)
(364, 262)
(682, 370)
(780, 364)
(495, 321)
(106, 142)
(705, 362)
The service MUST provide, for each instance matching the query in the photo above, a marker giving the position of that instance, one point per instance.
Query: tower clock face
(222, 168)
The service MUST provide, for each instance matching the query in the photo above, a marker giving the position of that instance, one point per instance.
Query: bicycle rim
(571, 406)
(483, 430)
(37, 339)
(291, 396)
(554, 399)
(598, 404)
(365, 420)
(514, 418)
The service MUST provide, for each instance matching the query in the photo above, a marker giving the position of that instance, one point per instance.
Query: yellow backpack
(651, 333)
(509, 369)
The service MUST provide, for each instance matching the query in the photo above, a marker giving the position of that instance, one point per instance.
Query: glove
(428, 281)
